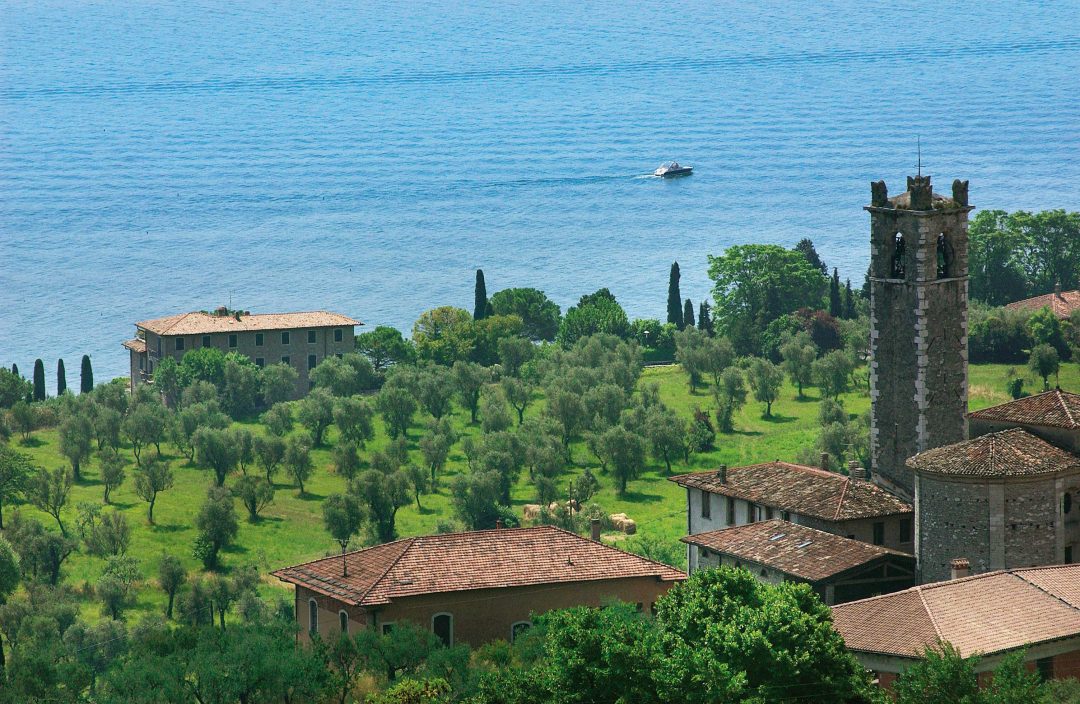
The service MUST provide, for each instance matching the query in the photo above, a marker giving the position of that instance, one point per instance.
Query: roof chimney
(856, 470)
(594, 526)
(721, 473)
(960, 567)
(1057, 289)
(825, 461)
(498, 524)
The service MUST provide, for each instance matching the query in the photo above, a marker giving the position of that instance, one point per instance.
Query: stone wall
(953, 520)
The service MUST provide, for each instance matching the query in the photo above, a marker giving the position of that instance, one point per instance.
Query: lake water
(366, 157)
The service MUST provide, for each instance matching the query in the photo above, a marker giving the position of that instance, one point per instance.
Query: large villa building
(471, 587)
(301, 340)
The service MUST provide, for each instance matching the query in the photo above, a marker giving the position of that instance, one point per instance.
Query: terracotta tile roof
(988, 613)
(486, 559)
(137, 345)
(1060, 304)
(199, 323)
(1008, 453)
(1056, 408)
(808, 491)
(800, 551)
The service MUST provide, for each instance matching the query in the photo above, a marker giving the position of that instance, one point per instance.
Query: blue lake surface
(366, 157)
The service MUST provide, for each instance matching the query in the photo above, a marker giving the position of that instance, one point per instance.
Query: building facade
(918, 323)
(843, 505)
(301, 340)
(471, 587)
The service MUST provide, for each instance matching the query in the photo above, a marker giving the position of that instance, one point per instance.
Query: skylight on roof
(776, 537)
(804, 544)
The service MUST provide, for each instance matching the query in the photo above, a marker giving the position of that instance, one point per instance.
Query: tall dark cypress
(39, 380)
(86, 381)
(61, 377)
(688, 313)
(704, 319)
(835, 308)
(480, 299)
(849, 301)
(15, 369)
(674, 298)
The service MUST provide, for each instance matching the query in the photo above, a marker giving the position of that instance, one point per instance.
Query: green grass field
(291, 530)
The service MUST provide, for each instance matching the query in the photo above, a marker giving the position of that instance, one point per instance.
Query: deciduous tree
(49, 491)
(150, 480)
(217, 525)
(255, 493)
(15, 472)
(385, 346)
(342, 517)
(216, 450)
(766, 379)
(298, 459)
(171, 576)
(539, 314)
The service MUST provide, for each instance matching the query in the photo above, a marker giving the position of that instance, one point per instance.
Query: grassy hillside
(291, 528)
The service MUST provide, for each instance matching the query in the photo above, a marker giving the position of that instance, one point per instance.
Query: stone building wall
(1030, 523)
(952, 520)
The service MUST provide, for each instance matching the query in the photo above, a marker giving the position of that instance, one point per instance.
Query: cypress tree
(835, 308)
(688, 314)
(61, 377)
(849, 301)
(704, 319)
(674, 298)
(15, 369)
(86, 382)
(480, 299)
(39, 380)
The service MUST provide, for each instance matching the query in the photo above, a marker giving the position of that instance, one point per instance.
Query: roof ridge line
(929, 613)
(380, 578)
(840, 503)
(1064, 406)
(1074, 607)
(616, 549)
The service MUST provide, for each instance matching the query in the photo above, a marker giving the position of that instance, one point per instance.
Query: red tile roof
(1008, 453)
(988, 613)
(199, 323)
(485, 559)
(1060, 304)
(800, 551)
(137, 345)
(1056, 409)
(808, 491)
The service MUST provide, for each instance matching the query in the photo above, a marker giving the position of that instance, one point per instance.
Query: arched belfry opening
(898, 267)
(944, 257)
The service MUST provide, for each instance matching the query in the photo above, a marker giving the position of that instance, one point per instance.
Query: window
(258, 339)
(730, 511)
(311, 337)
(338, 335)
(284, 338)
(313, 617)
(343, 620)
(259, 361)
(285, 359)
(205, 340)
(764, 573)
(519, 628)
(943, 257)
(1067, 502)
(899, 265)
(1045, 666)
(387, 628)
(142, 362)
(768, 513)
(702, 553)
(786, 515)
(751, 513)
(311, 361)
(232, 340)
(879, 533)
(905, 530)
(706, 504)
(442, 625)
(179, 344)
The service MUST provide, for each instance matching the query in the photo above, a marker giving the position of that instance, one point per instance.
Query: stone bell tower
(918, 325)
